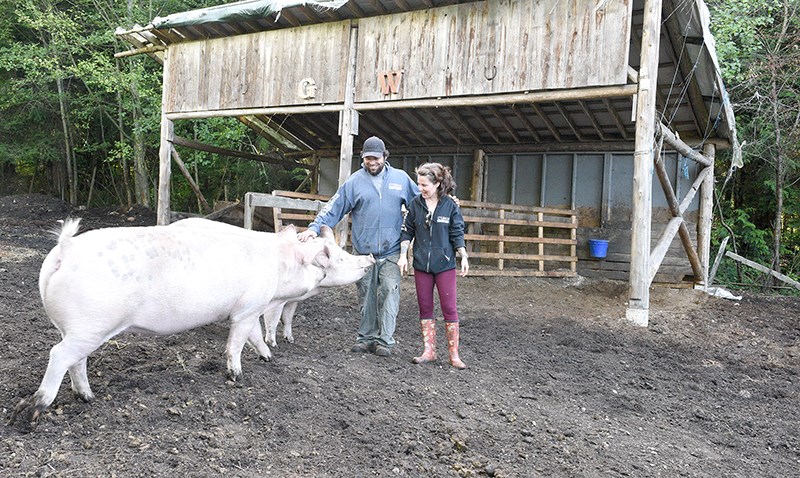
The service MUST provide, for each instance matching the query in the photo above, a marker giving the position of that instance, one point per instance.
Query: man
(374, 195)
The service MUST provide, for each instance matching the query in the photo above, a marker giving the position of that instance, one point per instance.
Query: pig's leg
(80, 381)
(287, 316)
(63, 355)
(271, 318)
(241, 326)
(257, 342)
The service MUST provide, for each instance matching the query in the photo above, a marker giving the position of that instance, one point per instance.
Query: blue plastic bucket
(598, 248)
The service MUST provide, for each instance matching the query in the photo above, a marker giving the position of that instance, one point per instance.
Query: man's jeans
(379, 293)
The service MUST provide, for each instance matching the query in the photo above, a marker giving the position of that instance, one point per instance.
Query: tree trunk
(125, 167)
(72, 175)
(777, 226)
(139, 165)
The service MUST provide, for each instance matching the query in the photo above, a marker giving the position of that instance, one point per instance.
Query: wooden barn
(554, 116)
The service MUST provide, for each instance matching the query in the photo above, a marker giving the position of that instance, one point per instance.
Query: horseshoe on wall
(493, 73)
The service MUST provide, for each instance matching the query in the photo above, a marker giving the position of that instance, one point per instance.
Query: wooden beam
(506, 124)
(587, 111)
(284, 110)
(623, 147)
(192, 184)
(673, 140)
(546, 120)
(661, 248)
(605, 196)
(527, 123)
(764, 269)
(717, 260)
(569, 122)
(264, 158)
(275, 123)
(675, 209)
(501, 99)
(463, 125)
(477, 114)
(441, 122)
(692, 192)
(617, 120)
(262, 129)
(639, 302)
(614, 91)
(420, 120)
(139, 51)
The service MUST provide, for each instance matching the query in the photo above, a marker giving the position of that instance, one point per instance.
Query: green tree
(758, 46)
(78, 122)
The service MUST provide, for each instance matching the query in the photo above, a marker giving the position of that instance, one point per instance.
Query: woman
(434, 222)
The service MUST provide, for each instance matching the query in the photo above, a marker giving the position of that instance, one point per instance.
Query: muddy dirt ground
(557, 385)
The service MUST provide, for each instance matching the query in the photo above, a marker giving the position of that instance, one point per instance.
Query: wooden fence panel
(502, 239)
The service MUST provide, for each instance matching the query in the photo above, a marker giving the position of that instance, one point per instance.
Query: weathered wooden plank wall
(259, 69)
(468, 49)
(495, 47)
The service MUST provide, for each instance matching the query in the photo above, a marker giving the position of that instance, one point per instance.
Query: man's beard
(379, 170)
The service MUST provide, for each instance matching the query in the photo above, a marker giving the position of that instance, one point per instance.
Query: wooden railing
(513, 240)
(287, 208)
(502, 239)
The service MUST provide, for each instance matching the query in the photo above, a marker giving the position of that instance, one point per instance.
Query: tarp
(708, 38)
(238, 11)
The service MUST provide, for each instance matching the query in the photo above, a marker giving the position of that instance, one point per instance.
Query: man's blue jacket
(376, 214)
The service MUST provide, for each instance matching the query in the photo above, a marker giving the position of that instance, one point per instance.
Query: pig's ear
(326, 232)
(315, 253)
(323, 257)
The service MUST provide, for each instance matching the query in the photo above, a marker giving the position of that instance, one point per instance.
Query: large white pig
(285, 309)
(162, 280)
(343, 269)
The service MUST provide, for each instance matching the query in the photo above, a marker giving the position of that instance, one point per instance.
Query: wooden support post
(540, 218)
(314, 175)
(639, 302)
(501, 245)
(605, 201)
(573, 249)
(349, 128)
(165, 151)
(476, 193)
(706, 212)
(477, 175)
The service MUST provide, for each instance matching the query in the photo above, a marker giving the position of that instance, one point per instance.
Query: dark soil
(557, 385)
